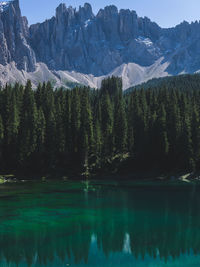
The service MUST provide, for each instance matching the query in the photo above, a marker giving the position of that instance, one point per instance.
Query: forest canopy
(85, 131)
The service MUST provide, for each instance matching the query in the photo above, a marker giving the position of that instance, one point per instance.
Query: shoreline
(134, 178)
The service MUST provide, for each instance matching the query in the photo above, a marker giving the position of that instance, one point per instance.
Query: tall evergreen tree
(186, 153)
(120, 123)
(107, 124)
(86, 128)
(75, 120)
(196, 135)
(1, 143)
(28, 125)
(130, 120)
(162, 144)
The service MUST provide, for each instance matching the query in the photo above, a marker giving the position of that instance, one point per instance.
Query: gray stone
(14, 35)
(97, 45)
(77, 40)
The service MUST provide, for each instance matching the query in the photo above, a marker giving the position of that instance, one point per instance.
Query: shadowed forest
(90, 132)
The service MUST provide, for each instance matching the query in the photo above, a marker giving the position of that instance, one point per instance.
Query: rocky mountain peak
(108, 12)
(111, 42)
(85, 13)
(71, 15)
(15, 3)
(93, 44)
(88, 7)
(14, 34)
(5, 5)
(60, 9)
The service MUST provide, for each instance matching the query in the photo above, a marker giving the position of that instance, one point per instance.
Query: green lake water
(59, 224)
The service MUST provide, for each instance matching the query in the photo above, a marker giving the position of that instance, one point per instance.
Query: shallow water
(59, 224)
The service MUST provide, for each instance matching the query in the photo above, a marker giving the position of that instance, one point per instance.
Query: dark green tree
(28, 125)
(120, 123)
(107, 124)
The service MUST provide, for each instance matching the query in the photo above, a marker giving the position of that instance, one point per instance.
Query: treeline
(84, 131)
(184, 82)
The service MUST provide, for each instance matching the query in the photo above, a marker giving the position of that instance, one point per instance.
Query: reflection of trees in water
(127, 223)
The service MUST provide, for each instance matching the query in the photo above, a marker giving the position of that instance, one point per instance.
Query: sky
(167, 13)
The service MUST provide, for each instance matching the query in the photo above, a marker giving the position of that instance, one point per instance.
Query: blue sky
(166, 13)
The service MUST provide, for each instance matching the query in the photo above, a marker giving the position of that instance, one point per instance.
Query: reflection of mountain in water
(121, 225)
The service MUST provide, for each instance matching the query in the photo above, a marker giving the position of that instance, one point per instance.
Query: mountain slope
(131, 73)
(77, 40)
(76, 46)
(14, 35)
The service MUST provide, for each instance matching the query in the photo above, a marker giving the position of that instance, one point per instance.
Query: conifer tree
(86, 128)
(50, 140)
(130, 120)
(12, 122)
(98, 143)
(107, 124)
(39, 95)
(40, 157)
(28, 125)
(60, 122)
(68, 119)
(186, 153)
(139, 124)
(174, 132)
(162, 144)
(196, 135)
(41, 131)
(1, 142)
(120, 123)
(75, 120)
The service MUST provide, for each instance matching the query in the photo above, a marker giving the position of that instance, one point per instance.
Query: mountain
(80, 41)
(14, 35)
(77, 46)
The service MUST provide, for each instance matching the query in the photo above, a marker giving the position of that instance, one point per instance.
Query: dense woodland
(87, 132)
(182, 82)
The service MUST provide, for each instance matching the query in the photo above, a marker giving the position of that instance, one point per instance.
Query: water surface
(57, 224)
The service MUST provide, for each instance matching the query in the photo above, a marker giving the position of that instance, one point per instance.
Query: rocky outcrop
(132, 74)
(78, 46)
(78, 40)
(14, 35)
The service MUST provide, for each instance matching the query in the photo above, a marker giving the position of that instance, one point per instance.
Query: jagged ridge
(14, 34)
(76, 43)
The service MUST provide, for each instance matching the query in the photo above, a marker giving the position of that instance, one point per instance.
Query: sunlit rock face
(78, 40)
(82, 47)
(14, 35)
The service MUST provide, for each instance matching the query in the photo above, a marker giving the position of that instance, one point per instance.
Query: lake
(59, 224)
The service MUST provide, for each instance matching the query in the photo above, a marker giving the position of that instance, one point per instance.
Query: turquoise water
(59, 224)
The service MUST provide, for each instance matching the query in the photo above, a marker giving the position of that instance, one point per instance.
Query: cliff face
(111, 42)
(14, 35)
(78, 40)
